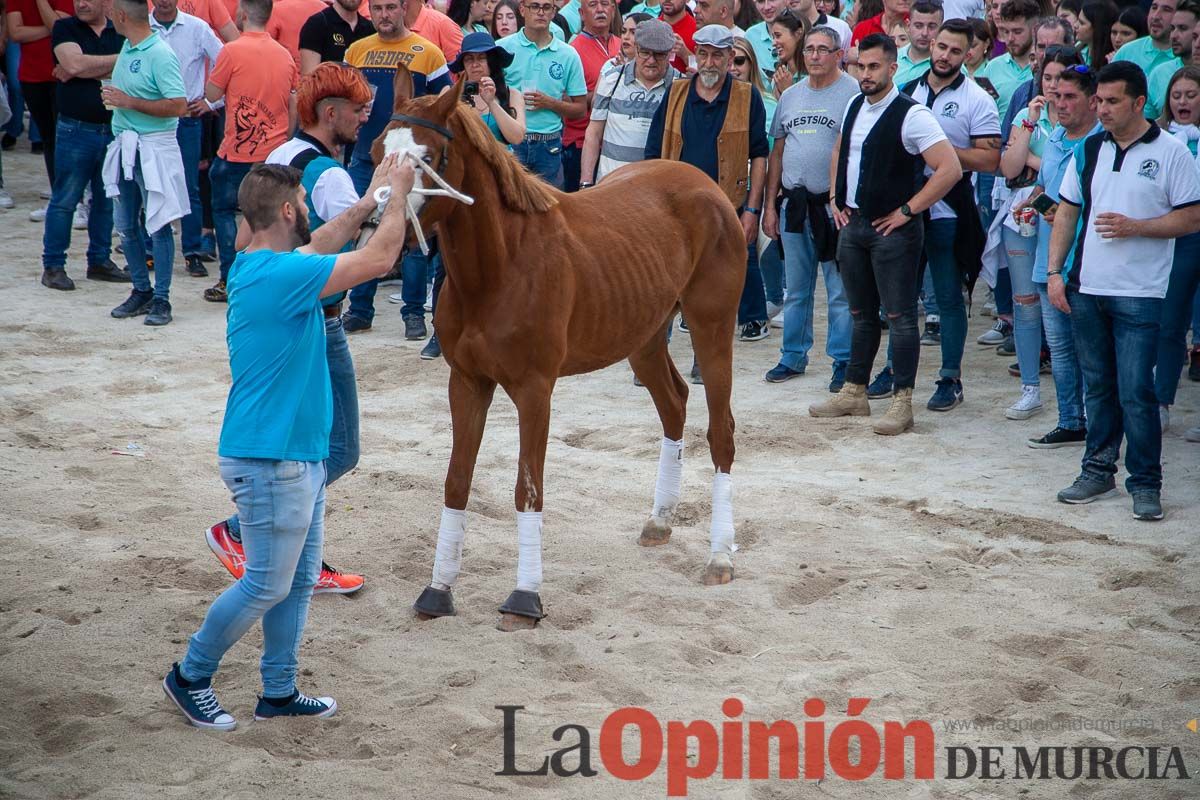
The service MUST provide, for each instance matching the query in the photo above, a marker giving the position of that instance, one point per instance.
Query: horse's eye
(427, 160)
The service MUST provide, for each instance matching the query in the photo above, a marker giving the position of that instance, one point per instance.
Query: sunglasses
(740, 60)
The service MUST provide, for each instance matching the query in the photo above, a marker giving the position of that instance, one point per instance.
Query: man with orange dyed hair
(332, 103)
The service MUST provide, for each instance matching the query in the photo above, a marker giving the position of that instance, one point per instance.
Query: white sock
(529, 551)
(670, 478)
(721, 534)
(448, 558)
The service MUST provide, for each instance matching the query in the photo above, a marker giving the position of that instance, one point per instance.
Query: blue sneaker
(197, 702)
(882, 385)
(947, 395)
(839, 377)
(780, 373)
(299, 706)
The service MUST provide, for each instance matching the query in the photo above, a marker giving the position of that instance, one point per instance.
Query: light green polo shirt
(148, 70)
(1156, 91)
(1143, 53)
(642, 8)
(554, 69)
(1006, 76)
(907, 69)
(764, 49)
(570, 13)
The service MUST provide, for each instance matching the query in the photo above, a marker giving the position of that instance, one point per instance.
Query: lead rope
(384, 193)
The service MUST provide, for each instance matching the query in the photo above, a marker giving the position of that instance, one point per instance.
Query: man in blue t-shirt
(275, 436)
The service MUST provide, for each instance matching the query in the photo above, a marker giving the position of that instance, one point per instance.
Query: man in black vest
(886, 141)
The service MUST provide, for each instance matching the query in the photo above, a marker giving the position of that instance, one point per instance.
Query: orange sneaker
(227, 550)
(336, 582)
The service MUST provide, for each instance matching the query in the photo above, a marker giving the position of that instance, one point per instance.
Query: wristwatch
(906, 211)
(586, 184)
(755, 211)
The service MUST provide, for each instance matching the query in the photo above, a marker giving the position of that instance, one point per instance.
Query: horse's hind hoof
(655, 532)
(434, 603)
(719, 570)
(521, 611)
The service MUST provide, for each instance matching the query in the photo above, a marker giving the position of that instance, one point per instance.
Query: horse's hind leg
(655, 369)
(712, 340)
(470, 399)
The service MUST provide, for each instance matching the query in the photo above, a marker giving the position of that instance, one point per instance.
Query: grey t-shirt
(810, 120)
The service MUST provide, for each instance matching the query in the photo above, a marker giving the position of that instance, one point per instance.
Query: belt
(93, 127)
(542, 137)
(332, 311)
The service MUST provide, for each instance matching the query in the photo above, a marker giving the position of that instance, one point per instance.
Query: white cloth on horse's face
(529, 551)
(670, 479)
(448, 558)
(400, 140)
(721, 533)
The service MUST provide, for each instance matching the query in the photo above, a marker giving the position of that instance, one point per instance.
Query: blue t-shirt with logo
(280, 405)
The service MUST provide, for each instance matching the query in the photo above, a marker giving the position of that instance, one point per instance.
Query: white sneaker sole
(334, 590)
(989, 341)
(227, 726)
(1022, 413)
(1110, 493)
(323, 715)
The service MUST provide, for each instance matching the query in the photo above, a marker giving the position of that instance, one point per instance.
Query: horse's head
(422, 127)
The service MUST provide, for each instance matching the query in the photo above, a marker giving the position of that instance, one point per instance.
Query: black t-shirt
(79, 98)
(328, 34)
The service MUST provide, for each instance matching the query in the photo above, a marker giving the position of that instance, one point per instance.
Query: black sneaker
(217, 293)
(1008, 347)
(839, 377)
(57, 279)
(754, 331)
(195, 267)
(197, 702)
(933, 331)
(947, 395)
(354, 324)
(432, 349)
(882, 385)
(8, 142)
(299, 705)
(138, 303)
(108, 272)
(1059, 437)
(1147, 505)
(780, 373)
(414, 328)
(1087, 490)
(1194, 364)
(696, 377)
(159, 313)
(37, 148)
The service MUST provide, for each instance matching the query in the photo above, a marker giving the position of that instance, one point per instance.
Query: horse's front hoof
(656, 532)
(521, 611)
(434, 603)
(719, 570)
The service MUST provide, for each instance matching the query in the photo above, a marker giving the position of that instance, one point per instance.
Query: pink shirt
(435, 26)
(594, 55)
(287, 18)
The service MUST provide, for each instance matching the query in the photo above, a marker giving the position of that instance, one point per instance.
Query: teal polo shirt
(148, 70)
(642, 8)
(1143, 53)
(1006, 76)
(764, 49)
(1157, 83)
(554, 69)
(907, 69)
(570, 13)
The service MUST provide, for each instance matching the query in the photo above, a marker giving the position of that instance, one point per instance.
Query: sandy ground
(932, 573)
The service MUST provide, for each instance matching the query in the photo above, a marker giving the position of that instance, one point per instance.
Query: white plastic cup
(105, 82)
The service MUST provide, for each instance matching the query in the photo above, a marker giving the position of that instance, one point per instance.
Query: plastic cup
(105, 82)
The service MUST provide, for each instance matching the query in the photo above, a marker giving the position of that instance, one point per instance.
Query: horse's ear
(402, 87)
(449, 99)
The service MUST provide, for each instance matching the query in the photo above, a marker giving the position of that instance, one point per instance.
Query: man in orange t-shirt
(287, 18)
(257, 77)
(431, 24)
(214, 13)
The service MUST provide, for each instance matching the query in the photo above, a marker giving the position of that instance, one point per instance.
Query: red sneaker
(227, 550)
(336, 582)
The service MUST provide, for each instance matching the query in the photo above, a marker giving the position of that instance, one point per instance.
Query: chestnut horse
(541, 284)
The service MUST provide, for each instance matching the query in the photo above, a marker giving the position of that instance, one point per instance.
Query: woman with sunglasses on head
(788, 32)
(1019, 164)
(1181, 118)
(1130, 24)
(1094, 34)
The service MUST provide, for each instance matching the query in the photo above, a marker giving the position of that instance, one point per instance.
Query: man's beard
(947, 74)
(300, 230)
(710, 78)
(348, 5)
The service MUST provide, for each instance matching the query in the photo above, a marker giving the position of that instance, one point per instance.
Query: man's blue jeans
(1064, 364)
(1177, 315)
(16, 101)
(542, 158)
(226, 178)
(770, 264)
(282, 508)
(362, 297)
(188, 136)
(1120, 336)
(801, 266)
(415, 271)
(948, 289)
(128, 215)
(753, 305)
(78, 163)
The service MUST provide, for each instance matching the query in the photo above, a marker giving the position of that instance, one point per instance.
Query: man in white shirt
(886, 140)
(1128, 192)
(197, 47)
(717, 12)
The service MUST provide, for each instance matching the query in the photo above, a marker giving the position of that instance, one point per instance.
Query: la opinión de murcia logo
(854, 749)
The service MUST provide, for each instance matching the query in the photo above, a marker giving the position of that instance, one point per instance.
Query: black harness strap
(433, 126)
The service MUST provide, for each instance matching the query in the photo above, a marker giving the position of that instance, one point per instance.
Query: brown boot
(851, 401)
(898, 418)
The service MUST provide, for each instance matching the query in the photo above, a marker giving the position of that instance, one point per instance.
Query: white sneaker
(6, 200)
(38, 215)
(1029, 405)
(995, 335)
(774, 310)
(1164, 418)
(80, 221)
(429, 300)
(777, 320)
(397, 298)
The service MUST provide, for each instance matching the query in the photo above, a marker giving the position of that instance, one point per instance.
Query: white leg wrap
(670, 478)
(529, 551)
(448, 558)
(721, 534)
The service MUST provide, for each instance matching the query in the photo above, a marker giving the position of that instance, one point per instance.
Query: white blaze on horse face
(400, 140)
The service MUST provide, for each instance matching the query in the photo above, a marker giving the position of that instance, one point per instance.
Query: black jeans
(41, 101)
(882, 269)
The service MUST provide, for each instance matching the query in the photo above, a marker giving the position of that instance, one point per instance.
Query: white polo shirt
(1153, 177)
(918, 133)
(196, 46)
(966, 113)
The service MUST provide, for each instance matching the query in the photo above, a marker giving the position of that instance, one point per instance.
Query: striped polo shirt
(627, 108)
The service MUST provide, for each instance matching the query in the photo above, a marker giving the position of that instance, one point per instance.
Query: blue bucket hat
(479, 42)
